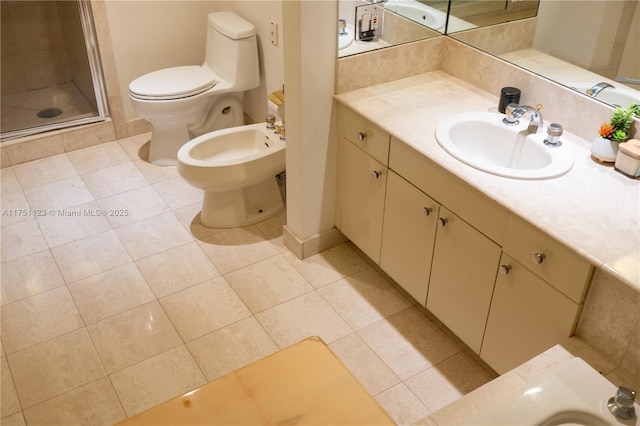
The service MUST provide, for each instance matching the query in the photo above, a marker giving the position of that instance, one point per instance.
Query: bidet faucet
(593, 92)
(621, 405)
(515, 111)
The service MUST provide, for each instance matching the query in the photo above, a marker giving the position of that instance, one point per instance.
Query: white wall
(150, 35)
(310, 40)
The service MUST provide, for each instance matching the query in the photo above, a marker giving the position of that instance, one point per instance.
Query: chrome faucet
(515, 111)
(593, 92)
(621, 405)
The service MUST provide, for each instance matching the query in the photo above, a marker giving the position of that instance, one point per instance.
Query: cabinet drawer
(549, 259)
(363, 133)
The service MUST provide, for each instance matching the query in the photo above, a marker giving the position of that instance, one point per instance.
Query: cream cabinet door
(362, 182)
(408, 236)
(465, 263)
(527, 317)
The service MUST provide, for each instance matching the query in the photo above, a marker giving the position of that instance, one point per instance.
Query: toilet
(188, 101)
(236, 168)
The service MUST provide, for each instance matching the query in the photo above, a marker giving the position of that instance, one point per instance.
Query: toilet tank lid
(231, 25)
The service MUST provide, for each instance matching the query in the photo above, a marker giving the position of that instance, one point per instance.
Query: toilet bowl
(187, 101)
(236, 168)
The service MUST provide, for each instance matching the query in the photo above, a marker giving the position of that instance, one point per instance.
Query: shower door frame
(97, 78)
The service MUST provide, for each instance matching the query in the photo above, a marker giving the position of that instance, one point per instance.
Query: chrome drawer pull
(538, 258)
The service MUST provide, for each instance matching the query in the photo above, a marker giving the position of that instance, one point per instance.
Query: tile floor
(104, 316)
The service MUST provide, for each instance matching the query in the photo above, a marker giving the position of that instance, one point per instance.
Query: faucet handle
(510, 111)
(625, 397)
(271, 120)
(621, 405)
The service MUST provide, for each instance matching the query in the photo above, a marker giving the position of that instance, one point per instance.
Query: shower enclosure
(51, 76)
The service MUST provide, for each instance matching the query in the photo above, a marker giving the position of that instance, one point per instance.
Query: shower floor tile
(152, 304)
(19, 110)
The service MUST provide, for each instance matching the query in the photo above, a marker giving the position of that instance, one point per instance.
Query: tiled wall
(33, 46)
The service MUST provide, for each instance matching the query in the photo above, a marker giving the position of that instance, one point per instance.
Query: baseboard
(312, 245)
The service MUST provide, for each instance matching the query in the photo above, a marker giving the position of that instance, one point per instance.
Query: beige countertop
(592, 209)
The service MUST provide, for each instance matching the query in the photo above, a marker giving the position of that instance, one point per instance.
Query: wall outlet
(368, 23)
(273, 32)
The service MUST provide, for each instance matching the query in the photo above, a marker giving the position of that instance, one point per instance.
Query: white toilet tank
(232, 51)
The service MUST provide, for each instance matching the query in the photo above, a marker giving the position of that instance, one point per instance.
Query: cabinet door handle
(442, 221)
(376, 174)
(505, 269)
(426, 211)
(538, 258)
(361, 136)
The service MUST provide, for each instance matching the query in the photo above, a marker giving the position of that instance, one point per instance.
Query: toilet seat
(172, 83)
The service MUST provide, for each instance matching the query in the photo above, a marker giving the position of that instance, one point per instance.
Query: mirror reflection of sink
(344, 40)
(573, 394)
(481, 140)
(418, 12)
(616, 96)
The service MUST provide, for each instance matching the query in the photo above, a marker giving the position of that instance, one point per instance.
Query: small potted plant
(611, 133)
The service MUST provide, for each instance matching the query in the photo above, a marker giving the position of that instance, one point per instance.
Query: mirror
(577, 43)
(418, 22)
(589, 45)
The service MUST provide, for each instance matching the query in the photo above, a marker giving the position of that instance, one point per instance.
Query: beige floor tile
(235, 248)
(368, 368)
(204, 308)
(38, 318)
(153, 235)
(89, 256)
(364, 298)
(156, 380)
(272, 229)
(408, 342)
(14, 420)
(177, 193)
(21, 239)
(448, 380)
(8, 181)
(268, 283)
(59, 195)
(44, 371)
(133, 336)
(189, 216)
(28, 276)
(330, 265)
(302, 317)
(43, 171)
(138, 204)
(95, 403)
(15, 208)
(114, 180)
(110, 293)
(75, 223)
(98, 157)
(176, 269)
(225, 350)
(9, 403)
(402, 405)
(154, 173)
(133, 146)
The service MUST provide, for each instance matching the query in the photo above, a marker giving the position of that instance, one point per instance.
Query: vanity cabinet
(408, 236)
(363, 151)
(462, 278)
(503, 286)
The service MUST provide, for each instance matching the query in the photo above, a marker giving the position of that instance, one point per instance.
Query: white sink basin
(618, 96)
(418, 12)
(574, 394)
(481, 140)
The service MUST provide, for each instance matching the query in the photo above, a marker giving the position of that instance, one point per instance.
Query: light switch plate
(368, 23)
